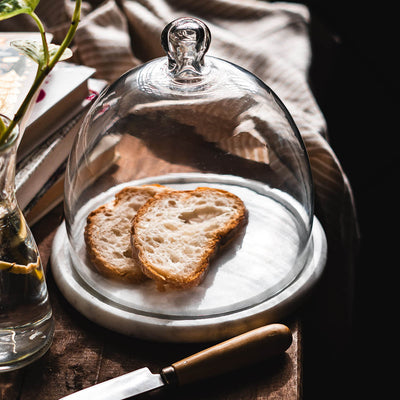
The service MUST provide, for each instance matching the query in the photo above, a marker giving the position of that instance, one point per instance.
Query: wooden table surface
(83, 354)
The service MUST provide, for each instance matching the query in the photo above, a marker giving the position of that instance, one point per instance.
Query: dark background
(355, 79)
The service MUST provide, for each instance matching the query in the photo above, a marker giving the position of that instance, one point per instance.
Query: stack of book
(57, 114)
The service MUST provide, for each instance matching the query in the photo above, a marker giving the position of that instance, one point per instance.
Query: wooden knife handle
(240, 351)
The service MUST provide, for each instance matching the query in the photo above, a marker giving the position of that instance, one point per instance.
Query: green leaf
(53, 48)
(10, 8)
(3, 127)
(31, 48)
(34, 50)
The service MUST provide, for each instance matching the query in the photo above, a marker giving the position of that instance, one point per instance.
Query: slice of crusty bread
(175, 234)
(107, 233)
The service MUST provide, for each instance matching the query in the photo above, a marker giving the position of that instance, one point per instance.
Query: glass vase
(26, 322)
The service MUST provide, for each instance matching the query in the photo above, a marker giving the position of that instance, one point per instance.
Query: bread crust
(105, 228)
(221, 236)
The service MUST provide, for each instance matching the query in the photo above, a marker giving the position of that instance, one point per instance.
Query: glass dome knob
(186, 40)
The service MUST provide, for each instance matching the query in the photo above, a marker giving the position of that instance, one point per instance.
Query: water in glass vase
(26, 324)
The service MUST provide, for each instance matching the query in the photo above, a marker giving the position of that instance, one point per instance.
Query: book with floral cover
(35, 170)
(57, 101)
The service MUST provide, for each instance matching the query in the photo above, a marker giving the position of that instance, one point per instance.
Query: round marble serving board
(226, 303)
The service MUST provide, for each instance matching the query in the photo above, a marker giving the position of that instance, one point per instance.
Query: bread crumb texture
(175, 233)
(107, 233)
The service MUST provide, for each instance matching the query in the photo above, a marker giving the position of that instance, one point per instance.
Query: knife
(238, 352)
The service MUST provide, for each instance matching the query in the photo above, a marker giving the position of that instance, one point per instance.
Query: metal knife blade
(122, 387)
(240, 351)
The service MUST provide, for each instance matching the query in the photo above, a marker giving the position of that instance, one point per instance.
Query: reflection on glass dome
(190, 120)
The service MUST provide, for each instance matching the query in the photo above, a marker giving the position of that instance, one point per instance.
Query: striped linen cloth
(269, 39)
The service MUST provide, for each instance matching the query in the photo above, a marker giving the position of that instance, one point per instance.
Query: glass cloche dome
(190, 120)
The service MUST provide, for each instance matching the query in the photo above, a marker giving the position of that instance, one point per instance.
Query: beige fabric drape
(269, 39)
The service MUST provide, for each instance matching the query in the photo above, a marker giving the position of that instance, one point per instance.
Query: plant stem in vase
(26, 323)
